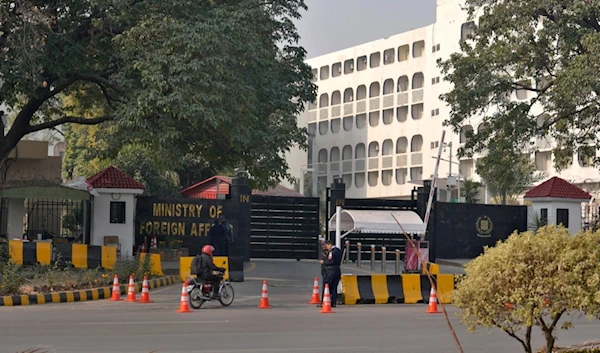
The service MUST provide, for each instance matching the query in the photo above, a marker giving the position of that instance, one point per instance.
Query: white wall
(16, 210)
(574, 208)
(101, 225)
(445, 32)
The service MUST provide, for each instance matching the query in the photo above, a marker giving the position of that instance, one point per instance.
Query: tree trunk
(549, 340)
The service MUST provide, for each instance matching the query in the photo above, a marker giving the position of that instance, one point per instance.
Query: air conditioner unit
(339, 69)
(352, 66)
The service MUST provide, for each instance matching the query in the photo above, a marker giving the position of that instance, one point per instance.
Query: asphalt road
(291, 326)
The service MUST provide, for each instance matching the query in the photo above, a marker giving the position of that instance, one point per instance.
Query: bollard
(372, 257)
(383, 259)
(397, 261)
(358, 254)
(347, 251)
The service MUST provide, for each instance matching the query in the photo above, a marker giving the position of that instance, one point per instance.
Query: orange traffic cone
(116, 290)
(145, 294)
(264, 300)
(131, 291)
(326, 309)
(432, 308)
(315, 295)
(184, 304)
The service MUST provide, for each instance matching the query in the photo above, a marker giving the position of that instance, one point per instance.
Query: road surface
(291, 326)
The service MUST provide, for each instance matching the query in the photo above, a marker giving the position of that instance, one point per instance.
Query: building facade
(378, 119)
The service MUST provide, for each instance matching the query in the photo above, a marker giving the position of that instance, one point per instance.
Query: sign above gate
(177, 217)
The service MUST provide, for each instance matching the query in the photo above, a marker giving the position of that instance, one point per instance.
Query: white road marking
(318, 349)
(151, 322)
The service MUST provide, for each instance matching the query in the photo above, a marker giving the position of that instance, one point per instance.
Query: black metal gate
(284, 227)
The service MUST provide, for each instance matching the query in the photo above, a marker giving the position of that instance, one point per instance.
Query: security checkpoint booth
(382, 235)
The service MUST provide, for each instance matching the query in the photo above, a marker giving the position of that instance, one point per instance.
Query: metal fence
(56, 219)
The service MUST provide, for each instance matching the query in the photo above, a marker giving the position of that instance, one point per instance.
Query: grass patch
(61, 276)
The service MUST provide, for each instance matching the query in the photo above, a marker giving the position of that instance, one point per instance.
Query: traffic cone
(264, 300)
(326, 309)
(315, 295)
(145, 294)
(131, 291)
(116, 290)
(184, 304)
(432, 308)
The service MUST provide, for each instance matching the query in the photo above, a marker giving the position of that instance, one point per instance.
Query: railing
(416, 158)
(402, 99)
(402, 160)
(417, 95)
(324, 114)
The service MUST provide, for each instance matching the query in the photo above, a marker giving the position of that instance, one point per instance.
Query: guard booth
(382, 228)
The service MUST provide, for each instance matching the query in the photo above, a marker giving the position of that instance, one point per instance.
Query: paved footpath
(290, 327)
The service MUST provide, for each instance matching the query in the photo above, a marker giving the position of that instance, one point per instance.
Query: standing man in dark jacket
(332, 267)
(323, 267)
(217, 238)
(206, 266)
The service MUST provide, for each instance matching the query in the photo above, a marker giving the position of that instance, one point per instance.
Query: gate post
(241, 199)
(372, 257)
(383, 259)
(347, 251)
(337, 198)
(358, 254)
(397, 262)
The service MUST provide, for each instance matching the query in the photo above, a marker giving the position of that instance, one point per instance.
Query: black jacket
(205, 266)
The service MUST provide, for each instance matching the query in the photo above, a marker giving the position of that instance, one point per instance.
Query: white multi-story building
(377, 120)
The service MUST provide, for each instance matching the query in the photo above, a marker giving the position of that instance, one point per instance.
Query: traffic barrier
(433, 268)
(186, 261)
(30, 253)
(156, 264)
(79, 295)
(385, 289)
(87, 256)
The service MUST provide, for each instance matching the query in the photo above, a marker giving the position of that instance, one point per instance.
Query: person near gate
(332, 267)
(217, 238)
(323, 267)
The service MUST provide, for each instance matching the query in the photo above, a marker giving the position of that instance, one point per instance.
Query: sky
(332, 25)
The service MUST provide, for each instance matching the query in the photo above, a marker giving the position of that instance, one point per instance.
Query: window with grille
(117, 212)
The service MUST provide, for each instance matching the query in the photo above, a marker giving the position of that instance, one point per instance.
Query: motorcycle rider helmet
(208, 249)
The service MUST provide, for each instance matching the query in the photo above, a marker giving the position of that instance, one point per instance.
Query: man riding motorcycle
(205, 269)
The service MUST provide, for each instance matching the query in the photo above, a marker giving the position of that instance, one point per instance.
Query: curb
(450, 263)
(79, 295)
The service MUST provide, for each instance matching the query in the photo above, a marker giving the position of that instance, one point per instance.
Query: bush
(532, 280)
(10, 279)
(133, 266)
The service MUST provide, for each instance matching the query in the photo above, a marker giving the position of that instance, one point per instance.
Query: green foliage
(470, 190)
(222, 81)
(532, 280)
(10, 279)
(133, 266)
(550, 49)
(506, 172)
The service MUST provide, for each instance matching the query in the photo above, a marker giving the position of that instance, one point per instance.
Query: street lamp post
(304, 169)
(450, 162)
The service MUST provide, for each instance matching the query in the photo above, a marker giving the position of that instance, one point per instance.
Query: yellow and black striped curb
(405, 288)
(80, 295)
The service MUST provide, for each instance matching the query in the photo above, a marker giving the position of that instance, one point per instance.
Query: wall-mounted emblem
(484, 227)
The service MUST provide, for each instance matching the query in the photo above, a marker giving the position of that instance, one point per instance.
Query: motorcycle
(200, 292)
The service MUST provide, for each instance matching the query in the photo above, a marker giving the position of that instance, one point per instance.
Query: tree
(221, 80)
(547, 48)
(506, 172)
(532, 280)
(470, 190)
